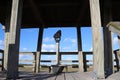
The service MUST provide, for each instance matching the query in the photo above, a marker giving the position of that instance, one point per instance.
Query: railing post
(38, 53)
(85, 61)
(80, 53)
(2, 60)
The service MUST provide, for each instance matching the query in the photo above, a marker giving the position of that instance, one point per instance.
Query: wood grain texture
(14, 39)
(97, 38)
(80, 53)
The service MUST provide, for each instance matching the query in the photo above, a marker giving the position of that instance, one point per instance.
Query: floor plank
(51, 77)
(68, 76)
(76, 76)
(115, 76)
(60, 76)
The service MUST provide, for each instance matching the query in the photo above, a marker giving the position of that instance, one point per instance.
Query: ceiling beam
(59, 4)
(36, 12)
(83, 10)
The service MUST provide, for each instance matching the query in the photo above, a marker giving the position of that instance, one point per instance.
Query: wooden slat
(53, 53)
(26, 61)
(76, 76)
(52, 77)
(27, 52)
(69, 61)
(61, 76)
(47, 60)
(68, 76)
(73, 61)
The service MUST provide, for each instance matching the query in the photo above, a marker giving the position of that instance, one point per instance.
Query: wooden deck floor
(49, 76)
(62, 76)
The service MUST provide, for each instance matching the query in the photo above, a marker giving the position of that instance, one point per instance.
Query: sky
(68, 43)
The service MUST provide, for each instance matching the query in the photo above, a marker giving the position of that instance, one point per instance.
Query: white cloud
(91, 49)
(48, 47)
(25, 57)
(52, 50)
(47, 39)
(24, 49)
(73, 40)
(70, 57)
(44, 50)
(70, 40)
(21, 56)
(67, 48)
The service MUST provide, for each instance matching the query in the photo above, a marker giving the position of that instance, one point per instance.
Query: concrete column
(98, 53)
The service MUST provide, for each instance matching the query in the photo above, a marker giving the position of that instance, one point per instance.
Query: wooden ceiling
(57, 13)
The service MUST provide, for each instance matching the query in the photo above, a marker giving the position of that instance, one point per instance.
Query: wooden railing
(33, 54)
(1, 59)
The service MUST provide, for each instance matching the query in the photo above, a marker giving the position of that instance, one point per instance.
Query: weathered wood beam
(7, 32)
(14, 39)
(108, 51)
(114, 27)
(27, 53)
(80, 53)
(53, 53)
(38, 53)
(98, 57)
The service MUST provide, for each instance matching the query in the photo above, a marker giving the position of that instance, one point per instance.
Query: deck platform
(62, 76)
(49, 76)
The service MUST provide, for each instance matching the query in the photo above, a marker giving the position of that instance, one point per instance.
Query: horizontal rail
(53, 53)
(1, 51)
(1, 59)
(27, 52)
(26, 60)
(60, 61)
(47, 60)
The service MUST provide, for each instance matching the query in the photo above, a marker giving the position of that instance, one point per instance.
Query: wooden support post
(119, 41)
(108, 51)
(80, 54)
(6, 46)
(6, 41)
(85, 62)
(38, 53)
(117, 58)
(98, 53)
(14, 37)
